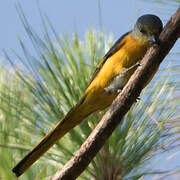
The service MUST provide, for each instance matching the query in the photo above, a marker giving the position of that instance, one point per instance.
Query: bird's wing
(118, 44)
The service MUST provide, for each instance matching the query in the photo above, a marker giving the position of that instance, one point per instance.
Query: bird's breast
(134, 50)
(129, 54)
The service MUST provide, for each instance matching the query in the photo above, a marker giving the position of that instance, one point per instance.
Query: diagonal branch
(155, 55)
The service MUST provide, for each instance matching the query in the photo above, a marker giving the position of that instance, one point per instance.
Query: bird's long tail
(73, 118)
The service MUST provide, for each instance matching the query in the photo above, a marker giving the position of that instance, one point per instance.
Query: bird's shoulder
(116, 47)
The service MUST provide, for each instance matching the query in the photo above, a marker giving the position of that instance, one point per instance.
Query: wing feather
(117, 45)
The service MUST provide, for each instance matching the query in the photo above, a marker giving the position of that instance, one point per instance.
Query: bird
(109, 78)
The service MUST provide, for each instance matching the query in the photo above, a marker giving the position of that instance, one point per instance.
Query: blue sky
(118, 17)
(67, 15)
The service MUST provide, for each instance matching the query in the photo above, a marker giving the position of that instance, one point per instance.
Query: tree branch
(120, 106)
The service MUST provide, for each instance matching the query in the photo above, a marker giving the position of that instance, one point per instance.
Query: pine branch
(155, 55)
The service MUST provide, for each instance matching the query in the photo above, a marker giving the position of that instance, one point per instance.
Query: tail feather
(73, 118)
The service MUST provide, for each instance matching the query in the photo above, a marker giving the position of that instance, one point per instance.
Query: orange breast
(129, 54)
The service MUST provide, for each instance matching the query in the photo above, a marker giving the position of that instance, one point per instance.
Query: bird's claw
(138, 99)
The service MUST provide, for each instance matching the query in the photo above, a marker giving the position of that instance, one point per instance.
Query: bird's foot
(126, 71)
(138, 99)
(112, 90)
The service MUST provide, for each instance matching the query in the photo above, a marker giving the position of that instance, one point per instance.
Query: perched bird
(110, 76)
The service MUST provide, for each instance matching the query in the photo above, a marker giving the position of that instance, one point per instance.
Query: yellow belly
(129, 54)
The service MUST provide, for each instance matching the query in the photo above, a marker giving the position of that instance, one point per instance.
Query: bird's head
(148, 27)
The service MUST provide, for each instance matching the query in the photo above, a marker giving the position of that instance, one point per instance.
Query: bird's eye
(143, 31)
